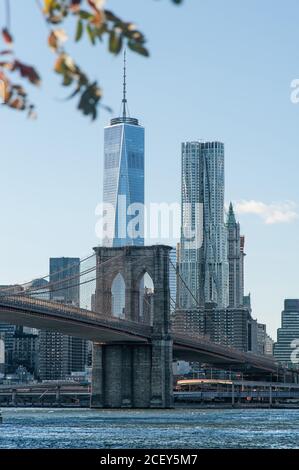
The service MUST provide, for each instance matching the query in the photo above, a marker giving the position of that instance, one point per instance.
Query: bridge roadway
(73, 321)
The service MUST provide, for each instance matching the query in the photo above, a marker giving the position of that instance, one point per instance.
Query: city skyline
(254, 149)
(211, 269)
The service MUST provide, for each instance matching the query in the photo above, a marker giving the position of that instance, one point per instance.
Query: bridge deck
(74, 321)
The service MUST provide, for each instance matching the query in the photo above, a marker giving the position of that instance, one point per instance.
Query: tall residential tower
(204, 266)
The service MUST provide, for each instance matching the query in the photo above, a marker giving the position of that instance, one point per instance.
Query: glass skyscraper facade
(204, 267)
(124, 178)
(288, 333)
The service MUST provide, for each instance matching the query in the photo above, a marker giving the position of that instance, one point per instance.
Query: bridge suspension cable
(184, 283)
(26, 285)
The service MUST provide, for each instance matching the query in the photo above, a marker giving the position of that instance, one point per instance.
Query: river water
(181, 428)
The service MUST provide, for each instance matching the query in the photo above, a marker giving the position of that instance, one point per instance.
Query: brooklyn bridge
(133, 353)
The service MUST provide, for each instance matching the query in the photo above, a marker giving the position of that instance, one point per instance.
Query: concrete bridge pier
(97, 398)
(132, 376)
(14, 397)
(161, 373)
(57, 395)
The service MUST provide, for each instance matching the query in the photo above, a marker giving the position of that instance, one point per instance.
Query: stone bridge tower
(134, 375)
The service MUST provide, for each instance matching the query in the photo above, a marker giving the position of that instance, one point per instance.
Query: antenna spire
(125, 117)
(124, 100)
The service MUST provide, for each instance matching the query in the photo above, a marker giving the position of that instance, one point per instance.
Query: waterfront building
(264, 341)
(252, 335)
(261, 337)
(25, 349)
(288, 333)
(59, 354)
(189, 321)
(38, 288)
(7, 331)
(203, 264)
(124, 176)
(269, 346)
(230, 327)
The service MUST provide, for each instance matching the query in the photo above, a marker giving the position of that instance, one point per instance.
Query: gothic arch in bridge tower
(118, 299)
(146, 298)
(132, 263)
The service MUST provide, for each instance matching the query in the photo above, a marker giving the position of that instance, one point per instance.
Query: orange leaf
(98, 18)
(7, 37)
(4, 90)
(96, 4)
(52, 41)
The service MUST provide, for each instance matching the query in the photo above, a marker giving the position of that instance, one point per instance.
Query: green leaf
(134, 46)
(115, 42)
(79, 31)
(85, 15)
(91, 34)
(98, 32)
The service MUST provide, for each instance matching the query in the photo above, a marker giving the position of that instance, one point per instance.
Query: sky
(218, 70)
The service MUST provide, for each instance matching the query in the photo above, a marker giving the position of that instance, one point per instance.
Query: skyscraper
(264, 341)
(59, 355)
(288, 333)
(204, 267)
(7, 331)
(235, 260)
(25, 349)
(64, 278)
(124, 176)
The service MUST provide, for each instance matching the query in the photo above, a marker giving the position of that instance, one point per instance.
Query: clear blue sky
(218, 69)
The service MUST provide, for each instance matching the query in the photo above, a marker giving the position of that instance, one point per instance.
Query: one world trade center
(124, 177)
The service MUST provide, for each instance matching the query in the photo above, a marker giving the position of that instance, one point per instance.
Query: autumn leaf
(58, 66)
(48, 6)
(5, 52)
(4, 88)
(17, 103)
(92, 18)
(7, 37)
(61, 35)
(98, 18)
(27, 71)
(97, 4)
(52, 41)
